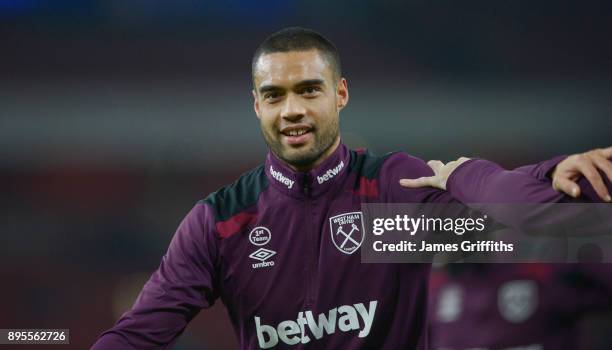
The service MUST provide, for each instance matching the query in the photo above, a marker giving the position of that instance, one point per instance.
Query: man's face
(297, 101)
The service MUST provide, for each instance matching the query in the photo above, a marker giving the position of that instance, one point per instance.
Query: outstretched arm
(482, 186)
(482, 181)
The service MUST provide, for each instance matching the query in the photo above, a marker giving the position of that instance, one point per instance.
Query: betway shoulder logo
(281, 178)
(346, 318)
(330, 173)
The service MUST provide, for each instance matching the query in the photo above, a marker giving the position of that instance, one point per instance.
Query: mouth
(296, 134)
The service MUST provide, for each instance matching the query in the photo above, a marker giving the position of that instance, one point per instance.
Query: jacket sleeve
(475, 181)
(482, 181)
(483, 185)
(542, 170)
(183, 284)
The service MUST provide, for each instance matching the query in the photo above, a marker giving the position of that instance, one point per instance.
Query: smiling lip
(296, 134)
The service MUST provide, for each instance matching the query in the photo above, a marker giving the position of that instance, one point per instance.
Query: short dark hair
(298, 39)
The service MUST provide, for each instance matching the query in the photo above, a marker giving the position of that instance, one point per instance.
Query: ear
(342, 94)
(256, 104)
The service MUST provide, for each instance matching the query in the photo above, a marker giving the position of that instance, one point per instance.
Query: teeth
(297, 132)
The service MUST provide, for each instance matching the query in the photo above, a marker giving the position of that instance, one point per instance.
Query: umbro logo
(262, 255)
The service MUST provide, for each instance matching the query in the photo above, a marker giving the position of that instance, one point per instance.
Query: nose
(292, 110)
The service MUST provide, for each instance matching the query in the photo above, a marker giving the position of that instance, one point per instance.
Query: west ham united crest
(347, 231)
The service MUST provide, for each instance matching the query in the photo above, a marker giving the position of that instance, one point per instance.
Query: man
(264, 244)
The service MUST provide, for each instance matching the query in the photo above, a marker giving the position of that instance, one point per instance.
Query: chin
(300, 159)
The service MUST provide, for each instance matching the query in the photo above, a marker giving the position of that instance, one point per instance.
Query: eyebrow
(302, 83)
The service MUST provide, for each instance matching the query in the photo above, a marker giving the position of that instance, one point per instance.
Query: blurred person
(520, 306)
(278, 245)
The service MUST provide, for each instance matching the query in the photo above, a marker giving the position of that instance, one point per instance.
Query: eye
(311, 90)
(272, 96)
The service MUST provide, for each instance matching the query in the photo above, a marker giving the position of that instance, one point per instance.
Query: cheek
(267, 119)
(327, 111)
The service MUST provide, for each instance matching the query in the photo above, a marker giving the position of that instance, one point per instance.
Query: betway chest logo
(344, 318)
(330, 173)
(281, 178)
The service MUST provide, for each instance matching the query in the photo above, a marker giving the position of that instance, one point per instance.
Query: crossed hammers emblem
(348, 236)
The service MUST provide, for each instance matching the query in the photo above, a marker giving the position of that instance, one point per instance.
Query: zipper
(311, 261)
(306, 188)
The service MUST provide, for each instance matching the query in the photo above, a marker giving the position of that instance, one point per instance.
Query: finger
(607, 152)
(435, 165)
(566, 186)
(426, 181)
(604, 165)
(590, 172)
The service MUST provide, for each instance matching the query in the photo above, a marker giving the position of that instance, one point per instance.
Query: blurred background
(116, 117)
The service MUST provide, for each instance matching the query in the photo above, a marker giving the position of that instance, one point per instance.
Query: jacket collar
(312, 183)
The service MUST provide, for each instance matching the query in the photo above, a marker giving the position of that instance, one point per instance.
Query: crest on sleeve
(517, 300)
(450, 304)
(347, 231)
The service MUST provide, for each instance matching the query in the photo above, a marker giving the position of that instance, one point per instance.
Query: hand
(586, 164)
(441, 173)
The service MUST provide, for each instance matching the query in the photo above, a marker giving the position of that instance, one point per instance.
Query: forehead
(287, 68)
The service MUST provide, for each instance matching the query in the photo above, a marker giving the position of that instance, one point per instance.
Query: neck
(319, 160)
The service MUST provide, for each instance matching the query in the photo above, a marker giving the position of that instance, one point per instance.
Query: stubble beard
(303, 157)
